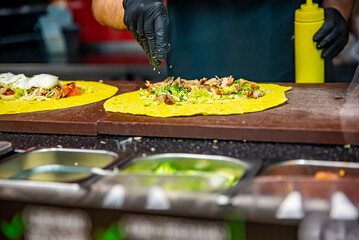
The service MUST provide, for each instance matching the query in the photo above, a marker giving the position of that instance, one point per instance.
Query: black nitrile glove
(147, 20)
(333, 35)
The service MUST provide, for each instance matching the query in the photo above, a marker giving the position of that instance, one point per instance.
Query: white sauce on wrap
(45, 81)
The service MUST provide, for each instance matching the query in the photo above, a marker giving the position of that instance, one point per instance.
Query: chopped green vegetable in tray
(201, 175)
(165, 168)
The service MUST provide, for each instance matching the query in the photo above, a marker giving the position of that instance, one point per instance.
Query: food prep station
(290, 172)
(286, 173)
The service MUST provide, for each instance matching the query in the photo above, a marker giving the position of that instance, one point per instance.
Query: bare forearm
(343, 6)
(109, 13)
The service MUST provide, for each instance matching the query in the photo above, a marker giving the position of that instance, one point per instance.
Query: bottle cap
(309, 12)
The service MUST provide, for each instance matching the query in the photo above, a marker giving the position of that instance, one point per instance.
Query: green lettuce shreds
(228, 89)
(199, 93)
(176, 92)
(18, 93)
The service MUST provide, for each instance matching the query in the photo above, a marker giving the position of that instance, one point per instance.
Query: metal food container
(187, 172)
(5, 147)
(289, 189)
(303, 167)
(178, 183)
(57, 164)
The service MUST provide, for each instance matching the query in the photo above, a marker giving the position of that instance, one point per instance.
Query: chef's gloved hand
(333, 35)
(148, 20)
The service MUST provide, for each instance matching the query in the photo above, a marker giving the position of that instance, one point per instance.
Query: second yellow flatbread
(133, 103)
(94, 92)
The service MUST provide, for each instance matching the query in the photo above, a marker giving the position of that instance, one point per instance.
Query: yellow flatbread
(94, 92)
(133, 103)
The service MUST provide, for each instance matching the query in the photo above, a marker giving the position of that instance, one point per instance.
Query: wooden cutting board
(315, 113)
(81, 120)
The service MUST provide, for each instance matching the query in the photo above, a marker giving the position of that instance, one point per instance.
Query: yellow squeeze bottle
(309, 65)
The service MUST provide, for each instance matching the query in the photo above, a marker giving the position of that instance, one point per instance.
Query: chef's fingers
(152, 43)
(332, 50)
(328, 39)
(143, 41)
(323, 31)
(131, 22)
(333, 35)
(133, 30)
(161, 29)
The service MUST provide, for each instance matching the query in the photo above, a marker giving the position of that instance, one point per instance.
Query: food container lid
(309, 12)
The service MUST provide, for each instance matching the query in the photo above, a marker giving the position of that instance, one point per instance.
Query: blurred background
(61, 37)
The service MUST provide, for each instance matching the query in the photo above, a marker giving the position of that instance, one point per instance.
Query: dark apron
(246, 39)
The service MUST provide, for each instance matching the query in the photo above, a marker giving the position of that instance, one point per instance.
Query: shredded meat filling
(227, 81)
(250, 92)
(215, 90)
(58, 93)
(213, 85)
(165, 98)
(257, 94)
